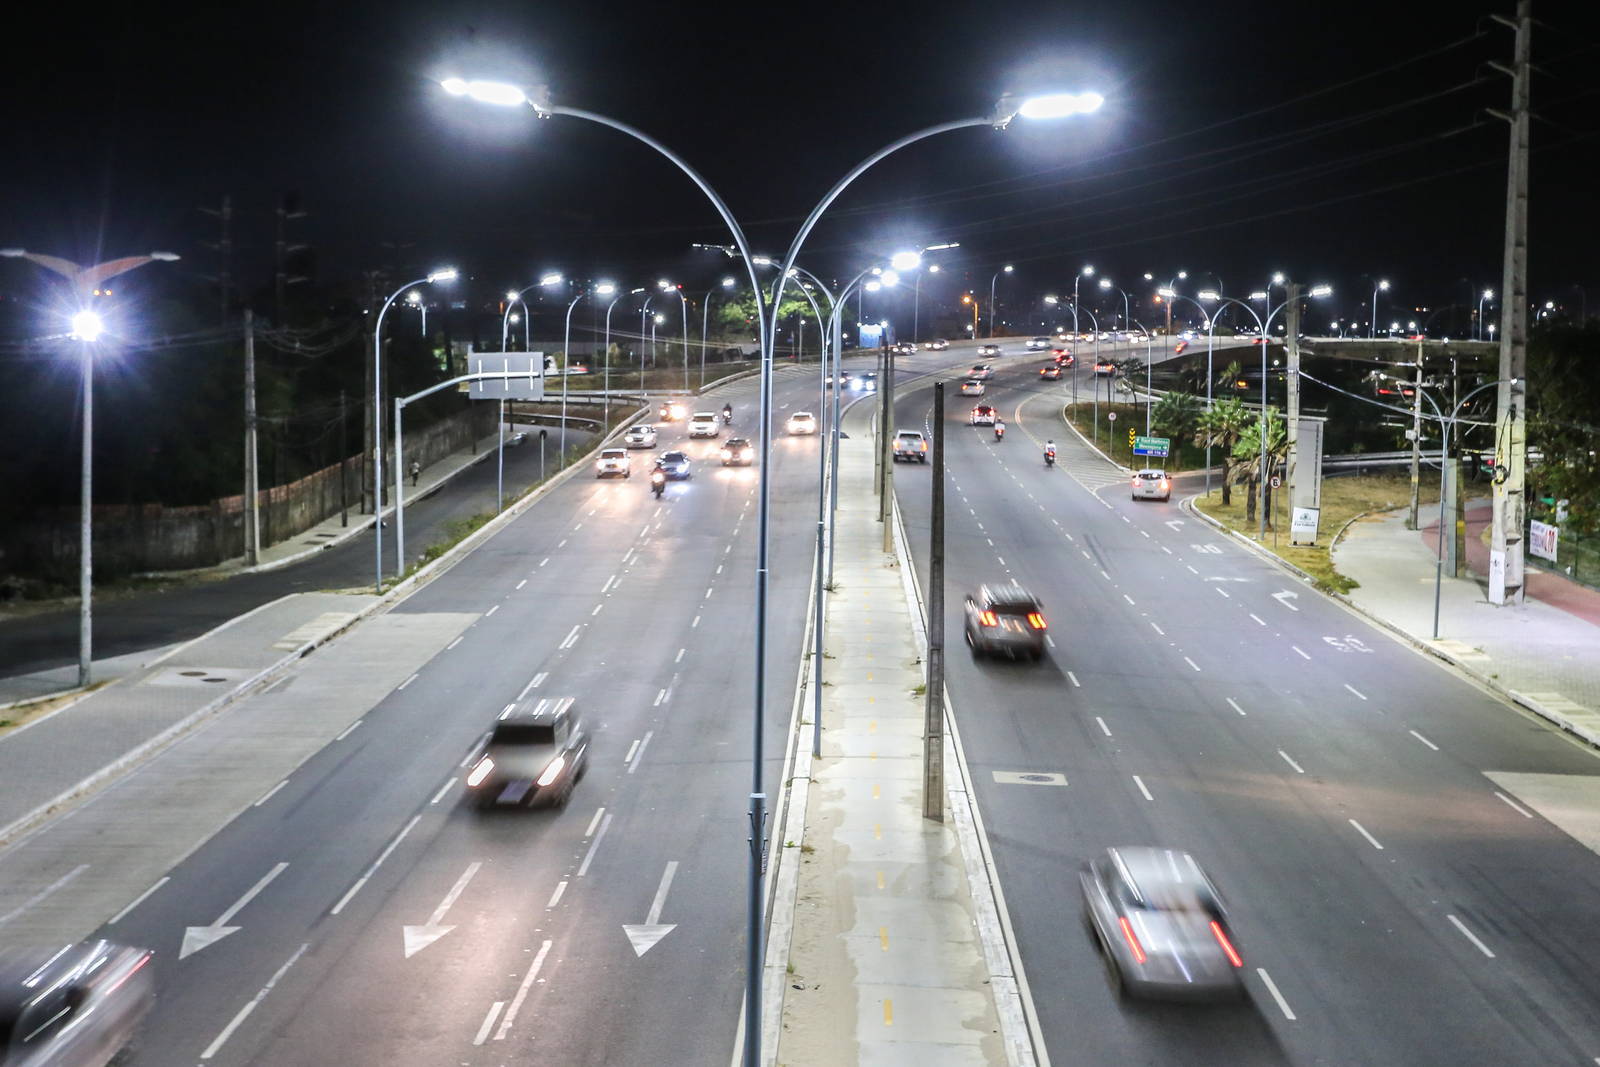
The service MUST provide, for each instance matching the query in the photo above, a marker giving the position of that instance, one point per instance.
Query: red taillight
(1036, 620)
(924, 446)
(987, 618)
(1163, 483)
(1136, 483)
(1133, 942)
(1227, 946)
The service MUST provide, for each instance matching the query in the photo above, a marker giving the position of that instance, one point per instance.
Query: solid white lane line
(1106, 576)
(443, 789)
(1223, 591)
(1128, 598)
(1140, 783)
(1424, 740)
(454, 643)
(1234, 705)
(401, 836)
(1167, 550)
(1191, 569)
(631, 750)
(488, 1022)
(270, 793)
(1085, 554)
(491, 611)
(140, 899)
(1158, 629)
(594, 822)
(1143, 532)
(605, 824)
(1074, 679)
(1363, 831)
(522, 583)
(640, 755)
(1258, 618)
(1298, 769)
(1352, 689)
(1272, 987)
(1518, 807)
(1470, 936)
(1297, 649)
(533, 683)
(659, 698)
(679, 658)
(348, 730)
(555, 898)
(1103, 725)
(407, 682)
(1191, 663)
(522, 991)
(244, 1012)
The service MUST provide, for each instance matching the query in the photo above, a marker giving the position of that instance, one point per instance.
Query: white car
(990, 350)
(642, 436)
(972, 388)
(938, 344)
(1039, 342)
(611, 461)
(705, 424)
(1151, 484)
(981, 372)
(801, 423)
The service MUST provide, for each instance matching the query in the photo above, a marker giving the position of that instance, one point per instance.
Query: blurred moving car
(75, 1006)
(1160, 924)
(675, 465)
(737, 452)
(612, 461)
(1052, 372)
(971, 388)
(672, 411)
(866, 383)
(989, 350)
(911, 446)
(533, 756)
(1038, 342)
(938, 344)
(641, 436)
(801, 423)
(1151, 484)
(981, 372)
(1105, 369)
(843, 381)
(705, 424)
(1063, 357)
(904, 348)
(1005, 620)
(983, 415)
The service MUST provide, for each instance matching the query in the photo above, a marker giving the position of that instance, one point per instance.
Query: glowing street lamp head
(663, 285)
(485, 92)
(1169, 293)
(605, 289)
(1088, 272)
(512, 294)
(1060, 105)
(1051, 300)
(448, 274)
(889, 277)
(1009, 268)
(728, 283)
(905, 260)
(1277, 279)
(1488, 294)
(1149, 277)
(1258, 295)
(1105, 283)
(1322, 290)
(551, 278)
(660, 318)
(873, 287)
(86, 326)
(933, 268)
(1209, 294)
(1384, 285)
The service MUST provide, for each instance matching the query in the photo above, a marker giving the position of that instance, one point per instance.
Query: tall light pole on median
(1007, 269)
(608, 349)
(87, 328)
(705, 323)
(446, 275)
(1381, 286)
(566, 373)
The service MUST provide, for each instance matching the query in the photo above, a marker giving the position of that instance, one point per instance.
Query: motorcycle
(727, 416)
(999, 431)
(1049, 457)
(658, 482)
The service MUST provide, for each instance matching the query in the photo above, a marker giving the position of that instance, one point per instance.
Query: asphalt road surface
(641, 610)
(1330, 780)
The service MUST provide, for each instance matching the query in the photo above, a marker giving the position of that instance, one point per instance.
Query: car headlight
(726, 454)
(552, 771)
(746, 454)
(484, 768)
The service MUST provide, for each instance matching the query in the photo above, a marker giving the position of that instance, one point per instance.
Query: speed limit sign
(1112, 415)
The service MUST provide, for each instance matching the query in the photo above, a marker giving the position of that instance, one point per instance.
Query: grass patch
(455, 531)
(1343, 499)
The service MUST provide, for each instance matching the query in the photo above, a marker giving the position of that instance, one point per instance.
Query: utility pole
(86, 526)
(344, 465)
(877, 457)
(1416, 444)
(1511, 432)
(224, 248)
(252, 471)
(1291, 404)
(287, 210)
(933, 716)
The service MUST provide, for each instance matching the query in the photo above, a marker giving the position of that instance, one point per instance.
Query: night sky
(1327, 140)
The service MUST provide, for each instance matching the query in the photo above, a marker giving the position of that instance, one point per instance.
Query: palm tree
(1220, 428)
(1248, 452)
(1229, 377)
(1175, 415)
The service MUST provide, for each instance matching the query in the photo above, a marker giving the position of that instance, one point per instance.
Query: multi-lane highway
(381, 919)
(1394, 903)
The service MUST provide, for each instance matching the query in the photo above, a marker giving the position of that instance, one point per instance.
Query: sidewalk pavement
(886, 965)
(58, 759)
(1544, 652)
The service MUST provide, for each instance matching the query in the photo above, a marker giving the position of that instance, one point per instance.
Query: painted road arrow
(1284, 598)
(196, 938)
(644, 937)
(420, 937)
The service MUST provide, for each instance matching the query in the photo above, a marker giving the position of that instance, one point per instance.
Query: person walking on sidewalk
(416, 471)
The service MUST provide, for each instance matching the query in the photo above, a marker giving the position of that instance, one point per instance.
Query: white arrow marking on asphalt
(1284, 598)
(1174, 523)
(196, 938)
(644, 938)
(420, 937)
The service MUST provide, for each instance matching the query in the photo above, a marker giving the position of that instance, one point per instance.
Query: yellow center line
(880, 879)
(874, 790)
(877, 830)
(888, 1012)
(883, 937)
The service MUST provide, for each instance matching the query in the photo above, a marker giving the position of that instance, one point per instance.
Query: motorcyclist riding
(999, 428)
(1049, 453)
(727, 414)
(658, 479)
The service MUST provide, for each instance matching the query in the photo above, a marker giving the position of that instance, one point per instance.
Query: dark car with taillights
(533, 756)
(1005, 620)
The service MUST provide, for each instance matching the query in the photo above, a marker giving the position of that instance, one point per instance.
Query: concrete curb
(1506, 693)
(1008, 982)
(1090, 444)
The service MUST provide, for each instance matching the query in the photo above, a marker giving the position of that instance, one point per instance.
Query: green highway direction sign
(1151, 446)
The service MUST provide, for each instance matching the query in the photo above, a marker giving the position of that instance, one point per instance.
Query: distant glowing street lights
(550, 279)
(87, 326)
(1060, 105)
(905, 261)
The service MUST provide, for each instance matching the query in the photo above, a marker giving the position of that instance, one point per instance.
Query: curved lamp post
(1007, 269)
(1172, 294)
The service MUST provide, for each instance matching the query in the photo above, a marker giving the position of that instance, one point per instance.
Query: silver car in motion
(1160, 924)
(75, 1006)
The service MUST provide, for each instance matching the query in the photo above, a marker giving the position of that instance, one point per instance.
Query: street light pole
(1372, 327)
(566, 373)
(1007, 269)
